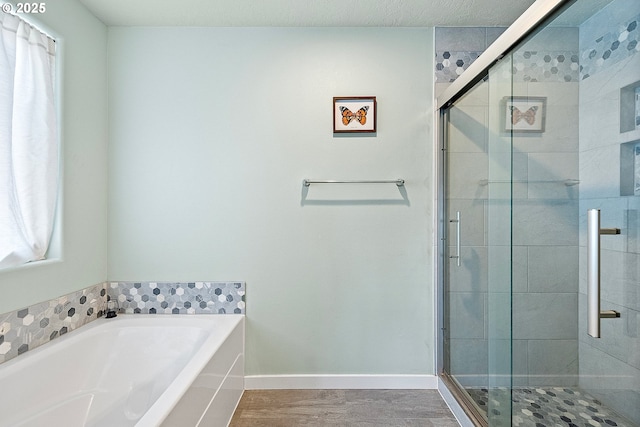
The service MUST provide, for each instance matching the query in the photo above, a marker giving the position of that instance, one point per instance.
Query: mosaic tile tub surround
(25, 329)
(179, 298)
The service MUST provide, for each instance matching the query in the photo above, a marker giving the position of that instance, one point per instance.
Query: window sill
(30, 265)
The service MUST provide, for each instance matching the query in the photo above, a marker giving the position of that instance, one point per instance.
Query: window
(28, 142)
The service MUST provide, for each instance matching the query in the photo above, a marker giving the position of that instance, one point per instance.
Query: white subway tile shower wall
(30, 327)
(179, 298)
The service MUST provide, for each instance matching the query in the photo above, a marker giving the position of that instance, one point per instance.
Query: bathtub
(132, 370)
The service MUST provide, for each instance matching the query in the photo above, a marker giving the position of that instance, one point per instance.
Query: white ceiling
(307, 13)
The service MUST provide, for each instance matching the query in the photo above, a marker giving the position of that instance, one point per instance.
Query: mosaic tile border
(610, 48)
(179, 298)
(25, 329)
(620, 43)
(550, 66)
(528, 66)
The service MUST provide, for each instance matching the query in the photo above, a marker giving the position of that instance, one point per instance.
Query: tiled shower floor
(554, 406)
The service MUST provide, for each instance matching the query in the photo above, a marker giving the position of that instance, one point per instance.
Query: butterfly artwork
(354, 114)
(360, 116)
(528, 116)
(525, 114)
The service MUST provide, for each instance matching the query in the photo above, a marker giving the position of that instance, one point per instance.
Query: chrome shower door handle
(457, 222)
(593, 273)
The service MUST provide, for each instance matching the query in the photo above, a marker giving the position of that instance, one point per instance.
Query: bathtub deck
(284, 408)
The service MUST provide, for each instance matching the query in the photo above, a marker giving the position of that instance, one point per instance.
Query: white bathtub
(133, 370)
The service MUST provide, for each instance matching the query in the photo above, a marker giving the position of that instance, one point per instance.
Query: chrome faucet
(112, 308)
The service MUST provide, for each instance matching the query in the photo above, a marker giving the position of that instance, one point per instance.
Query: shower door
(542, 204)
(574, 77)
(477, 270)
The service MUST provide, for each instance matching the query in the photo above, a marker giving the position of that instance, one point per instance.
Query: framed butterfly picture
(354, 114)
(525, 113)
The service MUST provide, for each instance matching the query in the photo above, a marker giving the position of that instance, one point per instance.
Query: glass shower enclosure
(540, 221)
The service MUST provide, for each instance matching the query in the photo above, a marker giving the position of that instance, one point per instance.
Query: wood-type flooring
(342, 408)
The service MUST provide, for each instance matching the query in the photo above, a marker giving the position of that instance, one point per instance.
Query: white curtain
(28, 142)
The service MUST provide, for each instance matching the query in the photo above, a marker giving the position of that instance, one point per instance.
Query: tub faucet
(112, 308)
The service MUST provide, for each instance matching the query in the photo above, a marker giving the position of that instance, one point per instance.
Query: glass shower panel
(545, 210)
(466, 286)
(478, 273)
(499, 247)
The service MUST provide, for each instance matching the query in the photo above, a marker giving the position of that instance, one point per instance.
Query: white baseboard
(300, 382)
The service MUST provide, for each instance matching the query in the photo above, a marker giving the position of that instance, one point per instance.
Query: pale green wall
(84, 144)
(211, 133)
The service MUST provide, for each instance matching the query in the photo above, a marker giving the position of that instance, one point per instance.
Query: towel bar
(308, 182)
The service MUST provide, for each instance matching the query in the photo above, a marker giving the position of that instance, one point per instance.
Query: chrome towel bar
(308, 182)
(567, 182)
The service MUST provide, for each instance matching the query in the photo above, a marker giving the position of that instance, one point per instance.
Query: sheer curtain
(28, 142)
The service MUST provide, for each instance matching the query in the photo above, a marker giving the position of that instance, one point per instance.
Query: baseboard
(300, 382)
